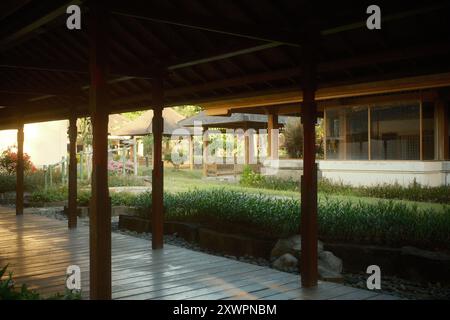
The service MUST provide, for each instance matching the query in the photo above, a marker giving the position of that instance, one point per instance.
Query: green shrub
(33, 181)
(117, 198)
(125, 181)
(53, 194)
(249, 178)
(83, 197)
(8, 291)
(123, 199)
(383, 222)
(7, 183)
(413, 192)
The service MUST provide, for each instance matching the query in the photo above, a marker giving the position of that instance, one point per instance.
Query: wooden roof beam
(50, 11)
(274, 34)
(135, 71)
(206, 23)
(325, 93)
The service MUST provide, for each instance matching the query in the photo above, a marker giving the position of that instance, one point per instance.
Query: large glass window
(395, 132)
(334, 140)
(356, 133)
(428, 136)
(347, 133)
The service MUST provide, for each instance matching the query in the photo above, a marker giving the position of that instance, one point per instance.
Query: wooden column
(272, 136)
(446, 131)
(20, 170)
(442, 130)
(308, 223)
(135, 157)
(157, 214)
(191, 152)
(72, 201)
(100, 209)
(205, 151)
(247, 146)
(251, 146)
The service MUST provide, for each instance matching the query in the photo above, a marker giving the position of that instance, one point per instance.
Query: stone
(286, 262)
(328, 260)
(290, 245)
(329, 266)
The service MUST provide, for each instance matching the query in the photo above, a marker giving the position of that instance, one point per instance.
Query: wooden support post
(272, 136)
(20, 170)
(100, 208)
(135, 156)
(157, 216)
(446, 131)
(72, 201)
(251, 146)
(246, 147)
(205, 151)
(308, 223)
(191, 152)
(442, 110)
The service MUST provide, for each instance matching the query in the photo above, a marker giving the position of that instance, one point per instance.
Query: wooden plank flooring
(39, 249)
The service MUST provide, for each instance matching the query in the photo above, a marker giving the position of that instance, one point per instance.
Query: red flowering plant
(8, 162)
(116, 167)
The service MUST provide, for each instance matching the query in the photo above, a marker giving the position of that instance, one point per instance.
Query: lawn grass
(187, 180)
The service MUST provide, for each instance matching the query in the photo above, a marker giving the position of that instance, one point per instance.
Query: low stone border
(231, 244)
(115, 211)
(405, 262)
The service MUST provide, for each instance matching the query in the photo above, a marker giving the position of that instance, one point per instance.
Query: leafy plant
(249, 178)
(53, 194)
(382, 222)
(8, 162)
(8, 290)
(413, 192)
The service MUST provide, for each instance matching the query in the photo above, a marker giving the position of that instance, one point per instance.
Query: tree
(84, 126)
(293, 133)
(188, 111)
(133, 115)
(8, 162)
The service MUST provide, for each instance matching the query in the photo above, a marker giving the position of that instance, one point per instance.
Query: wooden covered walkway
(39, 249)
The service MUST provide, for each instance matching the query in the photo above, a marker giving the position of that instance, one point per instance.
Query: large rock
(328, 260)
(287, 262)
(330, 267)
(292, 245)
(287, 252)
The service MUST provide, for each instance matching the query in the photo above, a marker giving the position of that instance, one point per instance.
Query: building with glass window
(375, 133)
(388, 142)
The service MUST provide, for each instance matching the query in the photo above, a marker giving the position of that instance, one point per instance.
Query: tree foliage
(188, 111)
(293, 133)
(8, 162)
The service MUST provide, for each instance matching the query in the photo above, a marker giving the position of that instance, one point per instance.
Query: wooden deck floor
(39, 249)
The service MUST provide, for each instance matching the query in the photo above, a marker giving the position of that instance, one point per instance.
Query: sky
(45, 142)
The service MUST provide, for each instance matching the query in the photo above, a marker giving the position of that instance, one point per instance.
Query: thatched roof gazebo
(117, 122)
(143, 124)
(244, 121)
(234, 121)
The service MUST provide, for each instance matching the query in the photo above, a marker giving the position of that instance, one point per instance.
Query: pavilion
(249, 124)
(142, 126)
(280, 58)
